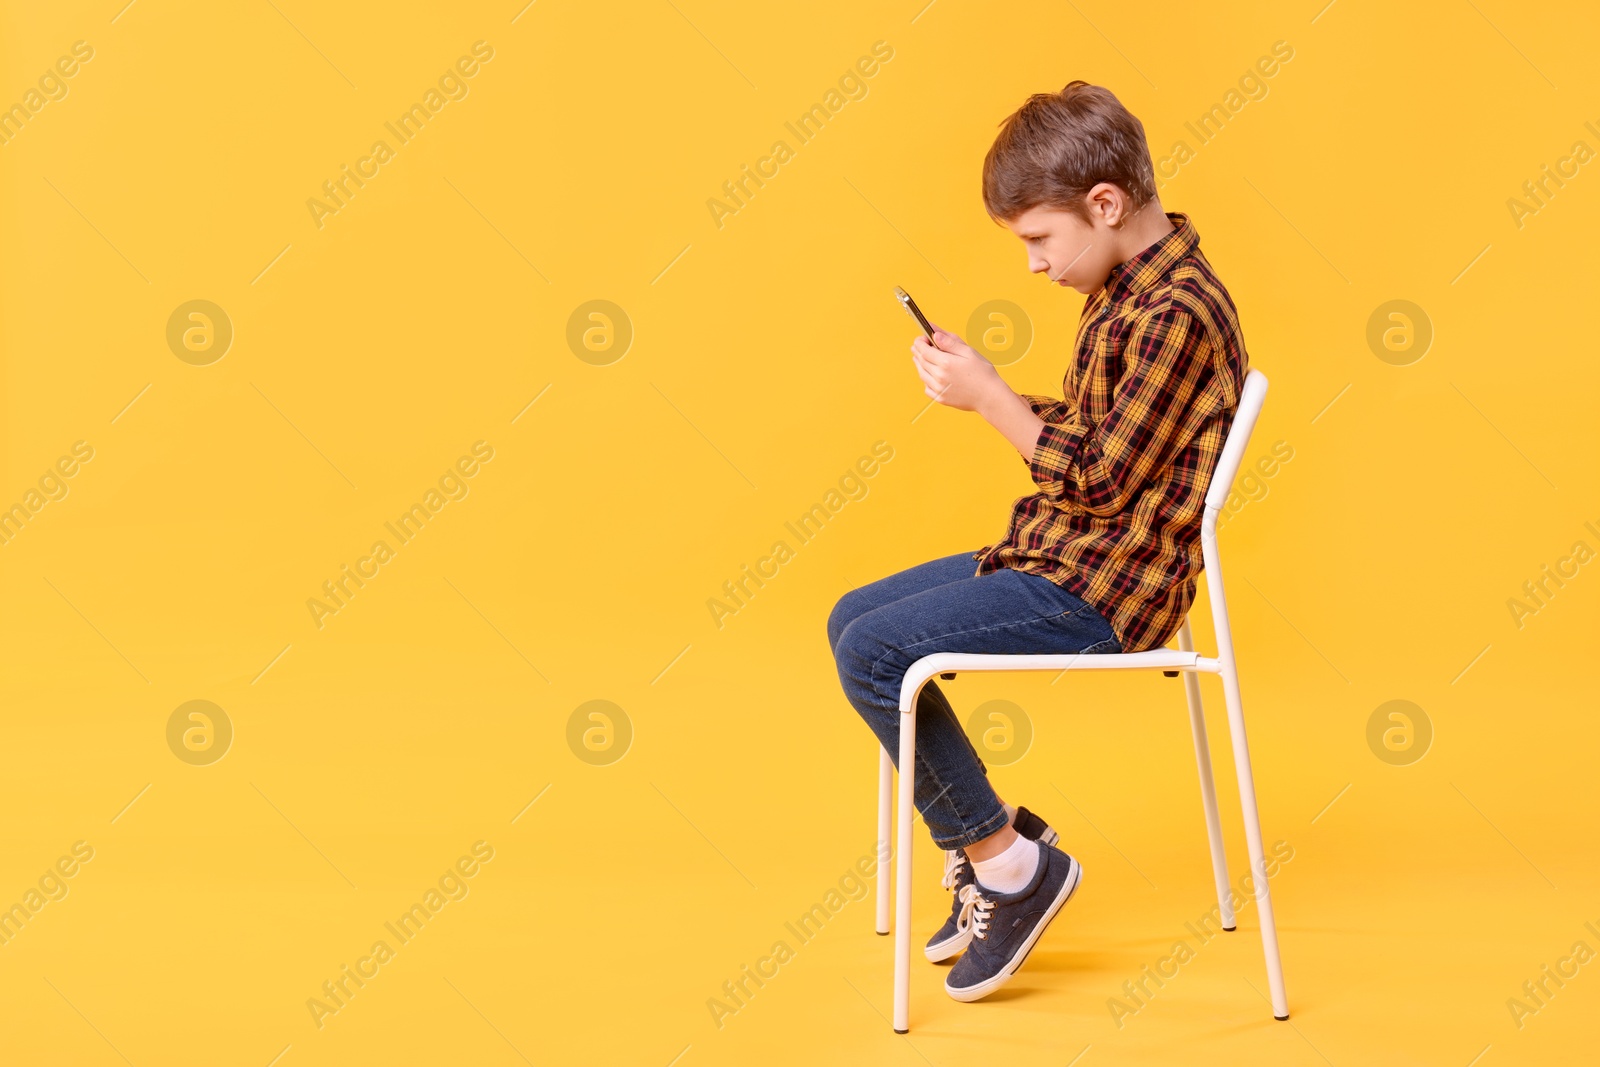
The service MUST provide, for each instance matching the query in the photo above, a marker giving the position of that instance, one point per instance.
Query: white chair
(1184, 659)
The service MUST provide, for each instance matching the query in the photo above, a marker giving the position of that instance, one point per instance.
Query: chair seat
(1169, 659)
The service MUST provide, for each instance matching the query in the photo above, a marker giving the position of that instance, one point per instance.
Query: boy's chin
(1087, 288)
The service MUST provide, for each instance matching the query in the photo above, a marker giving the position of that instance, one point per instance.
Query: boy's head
(1066, 174)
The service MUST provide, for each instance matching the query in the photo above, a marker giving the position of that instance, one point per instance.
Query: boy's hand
(952, 371)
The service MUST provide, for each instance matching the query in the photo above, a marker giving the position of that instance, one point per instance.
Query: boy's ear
(1109, 203)
(1106, 202)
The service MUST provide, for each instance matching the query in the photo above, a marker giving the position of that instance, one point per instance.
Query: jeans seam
(961, 633)
(925, 772)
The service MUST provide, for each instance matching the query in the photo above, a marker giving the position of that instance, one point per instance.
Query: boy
(1103, 557)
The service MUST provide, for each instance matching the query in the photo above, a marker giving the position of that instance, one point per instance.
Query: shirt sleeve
(1047, 408)
(1171, 385)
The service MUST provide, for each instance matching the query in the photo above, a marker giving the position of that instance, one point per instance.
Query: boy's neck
(1149, 225)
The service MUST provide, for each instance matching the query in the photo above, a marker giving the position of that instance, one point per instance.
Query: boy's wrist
(1009, 413)
(999, 397)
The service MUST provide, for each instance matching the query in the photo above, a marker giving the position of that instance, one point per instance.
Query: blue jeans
(879, 630)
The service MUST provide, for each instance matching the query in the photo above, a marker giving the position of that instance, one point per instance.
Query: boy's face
(1070, 251)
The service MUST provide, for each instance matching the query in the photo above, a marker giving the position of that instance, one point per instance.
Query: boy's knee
(842, 615)
(862, 643)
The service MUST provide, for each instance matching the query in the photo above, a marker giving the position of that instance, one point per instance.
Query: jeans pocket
(1093, 628)
(1046, 599)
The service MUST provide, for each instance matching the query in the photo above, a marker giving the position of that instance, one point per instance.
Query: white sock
(1011, 870)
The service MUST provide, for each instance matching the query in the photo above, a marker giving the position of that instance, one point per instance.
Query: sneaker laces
(953, 862)
(976, 909)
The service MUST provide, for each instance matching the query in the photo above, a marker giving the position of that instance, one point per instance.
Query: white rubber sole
(950, 946)
(989, 985)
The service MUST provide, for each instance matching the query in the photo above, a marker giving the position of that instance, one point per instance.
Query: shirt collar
(1145, 268)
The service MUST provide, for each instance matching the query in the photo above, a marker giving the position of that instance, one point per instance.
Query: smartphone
(911, 309)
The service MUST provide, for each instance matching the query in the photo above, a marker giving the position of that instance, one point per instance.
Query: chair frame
(1183, 660)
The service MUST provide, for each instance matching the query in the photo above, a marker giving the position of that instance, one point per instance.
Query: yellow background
(767, 358)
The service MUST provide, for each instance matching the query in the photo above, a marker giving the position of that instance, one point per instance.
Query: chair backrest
(1251, 398)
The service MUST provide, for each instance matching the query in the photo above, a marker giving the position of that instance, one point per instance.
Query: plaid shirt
(1123, 463)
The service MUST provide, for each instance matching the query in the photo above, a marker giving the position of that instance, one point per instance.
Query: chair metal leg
(1208, 786)
(1252, 835)
(885, 804)
(902, 870)
(1241, 763)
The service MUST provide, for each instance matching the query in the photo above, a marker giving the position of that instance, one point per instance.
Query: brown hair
(1057, 146)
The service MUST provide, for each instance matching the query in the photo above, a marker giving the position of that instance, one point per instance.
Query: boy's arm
(1016, 416)
(1170, 387)
(1005, 412)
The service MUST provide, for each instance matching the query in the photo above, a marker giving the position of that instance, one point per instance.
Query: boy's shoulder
(1192, 281)
(1192, 289)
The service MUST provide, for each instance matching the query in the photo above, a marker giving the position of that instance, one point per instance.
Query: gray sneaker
(1004, 927)
(956, 932)
(953, 936)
